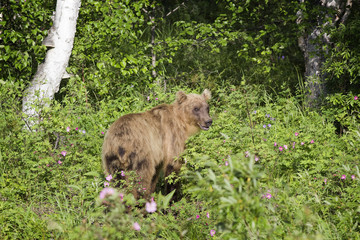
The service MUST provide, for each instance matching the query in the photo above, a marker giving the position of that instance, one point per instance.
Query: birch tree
(313, 48)
(46, 81)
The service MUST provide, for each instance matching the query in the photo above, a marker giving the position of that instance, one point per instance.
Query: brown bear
(151, 141)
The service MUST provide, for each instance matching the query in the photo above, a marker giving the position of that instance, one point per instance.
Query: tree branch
(347, 11)
(175, 9)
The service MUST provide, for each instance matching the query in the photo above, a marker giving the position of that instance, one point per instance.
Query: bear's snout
(208, 123)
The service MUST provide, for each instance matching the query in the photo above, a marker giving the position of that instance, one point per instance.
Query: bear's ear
(180, 97)
(206, 94)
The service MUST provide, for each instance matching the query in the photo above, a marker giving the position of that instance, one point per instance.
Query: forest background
(280, 162)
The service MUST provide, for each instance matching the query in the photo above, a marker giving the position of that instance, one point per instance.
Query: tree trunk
(312, 48)
(47, 79)
(313, 62)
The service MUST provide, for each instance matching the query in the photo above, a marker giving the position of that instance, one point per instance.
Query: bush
(236, 182)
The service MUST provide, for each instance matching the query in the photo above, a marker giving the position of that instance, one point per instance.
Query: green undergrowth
(267, 169)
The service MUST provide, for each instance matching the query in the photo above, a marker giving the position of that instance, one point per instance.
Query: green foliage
(341, 66)
(24, 25)
(344, 110)
(235, 182)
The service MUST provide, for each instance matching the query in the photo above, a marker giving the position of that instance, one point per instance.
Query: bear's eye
(196, 109)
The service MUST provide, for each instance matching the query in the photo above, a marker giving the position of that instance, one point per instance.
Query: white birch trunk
(47, 79)
(312, 49)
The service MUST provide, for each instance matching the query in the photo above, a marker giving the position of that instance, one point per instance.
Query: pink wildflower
(343, 177)
(105, 192)
(247, 154)
(281, 149)
(150, 206)
(63, 153)
(296, 134)
(285, 146)
(226, 163)
(256, 158)
(356, 98)
(68, 129)
(59, 162)
(275, 144)
(352, 176)
(207, 215)
(122, 174)
(109, 178)
(136, 226)
(106, 184)
(312, 141)
(197, 216)
(212, 232)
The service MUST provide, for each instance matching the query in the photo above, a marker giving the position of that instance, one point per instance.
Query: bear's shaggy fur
(149, 142)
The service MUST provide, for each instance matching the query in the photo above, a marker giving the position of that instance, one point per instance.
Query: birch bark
(46, 81)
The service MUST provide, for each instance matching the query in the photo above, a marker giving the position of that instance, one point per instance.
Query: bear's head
(195, 109)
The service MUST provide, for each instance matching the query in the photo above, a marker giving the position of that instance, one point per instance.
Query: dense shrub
(267, 169)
